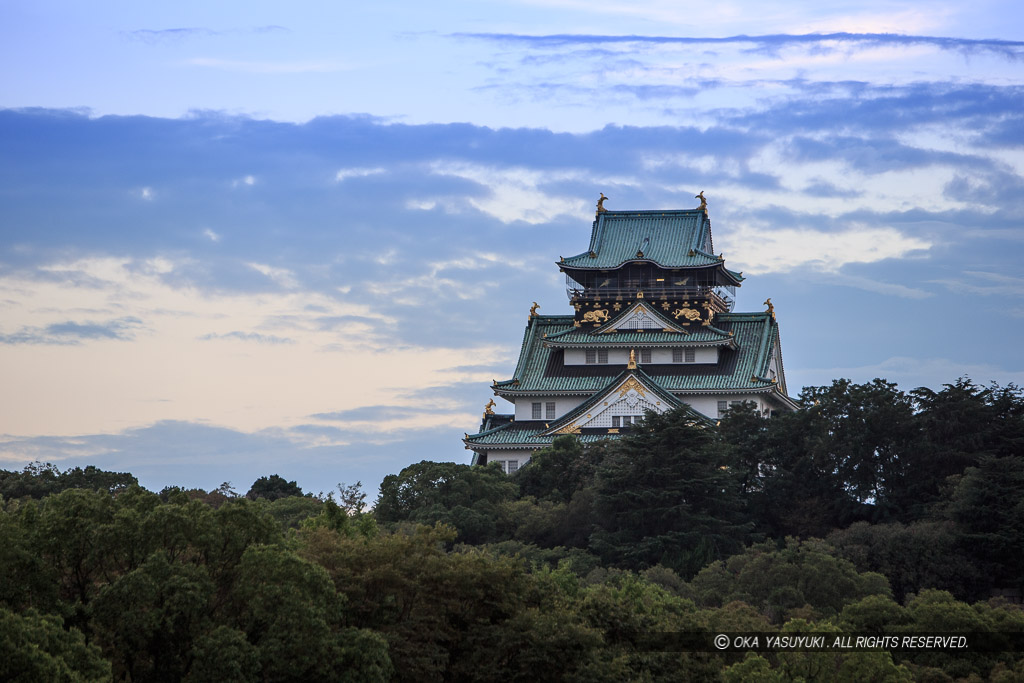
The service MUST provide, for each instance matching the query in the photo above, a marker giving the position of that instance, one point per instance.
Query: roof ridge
(489, 431)
(610, 212)
(733, 314)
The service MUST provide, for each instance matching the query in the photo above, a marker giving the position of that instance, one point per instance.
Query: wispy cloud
(176, 35)
(72, 333)
(168, 35)
(265, 67)
(986, 284)
(781, 250)
(248, 337)
(282, 276)
(346, 173)
(1009, 49)
(513, 194)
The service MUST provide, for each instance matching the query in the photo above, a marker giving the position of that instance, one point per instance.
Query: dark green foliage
(466, 498)
(925, 554)
(840, 459)
(576, 559)
(39, 480)
(178, 590)
(224, 654)
(558, 472)
(438, 610)
(563, 571)
(291, 512)
(957, 428)
(290, 612)
(35, 647)
(778, 581)
(988, 505)
(273, 487)
(666, 496)
(863, 432)
(148, 619)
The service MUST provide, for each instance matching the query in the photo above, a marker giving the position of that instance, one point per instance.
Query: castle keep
(652, 328)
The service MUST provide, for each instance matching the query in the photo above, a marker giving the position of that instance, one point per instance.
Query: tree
(351, 497)
(988, 504)
(224, 654)
(557, 472)
(36, 647)
(665, 495)
(915, 556)
(461, 496)
(35, 481)
(440, 612)
(95, 479)
(272, 488)
(777, 581)
(289, 610)
(960, 426)
(38, 480)
(865, 431)
(148, 619)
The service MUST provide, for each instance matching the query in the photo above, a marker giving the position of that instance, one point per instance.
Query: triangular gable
(632, 393)
(640, 316)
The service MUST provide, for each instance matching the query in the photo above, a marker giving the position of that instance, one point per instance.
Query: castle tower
(652, 328)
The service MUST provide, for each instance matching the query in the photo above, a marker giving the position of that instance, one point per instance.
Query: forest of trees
(870, 510)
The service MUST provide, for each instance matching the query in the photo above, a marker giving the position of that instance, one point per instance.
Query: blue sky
(238, 240)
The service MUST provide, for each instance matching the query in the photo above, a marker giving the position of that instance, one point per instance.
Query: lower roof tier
(752, 348)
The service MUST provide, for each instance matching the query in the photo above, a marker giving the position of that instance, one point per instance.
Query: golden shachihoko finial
(771, 308)
(600, 203)
(533, 309)
(703, 202)
(489, 408)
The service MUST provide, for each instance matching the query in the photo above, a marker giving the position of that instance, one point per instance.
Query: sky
(243, 239)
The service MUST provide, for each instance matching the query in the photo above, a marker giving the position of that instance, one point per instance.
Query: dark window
(691, 355)
(549, 410)
(591, 355)
(722, 407)
(645, 355)
(615, 421)
(677, 355)
(602, 355)
(536, 411)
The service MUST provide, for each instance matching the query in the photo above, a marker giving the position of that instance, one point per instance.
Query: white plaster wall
(563, 404)
(522, 457)
(705, 355)
(707, 404)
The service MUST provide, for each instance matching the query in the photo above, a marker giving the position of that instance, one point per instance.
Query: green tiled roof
(501, 431)
(671, 239)
(529, 435)
(541, 368)
(701, 336)
(600, 396)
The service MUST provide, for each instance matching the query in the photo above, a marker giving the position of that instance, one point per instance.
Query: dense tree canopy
(869, 510)
(272, 488)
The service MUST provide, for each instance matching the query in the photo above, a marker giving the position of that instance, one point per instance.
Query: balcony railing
(724, 296)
